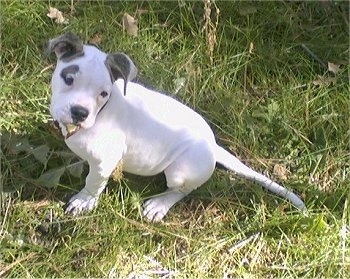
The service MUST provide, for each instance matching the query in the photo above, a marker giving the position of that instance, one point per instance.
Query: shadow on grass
(21, 168)
(230, 202)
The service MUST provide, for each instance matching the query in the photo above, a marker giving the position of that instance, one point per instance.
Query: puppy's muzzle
(78, 114)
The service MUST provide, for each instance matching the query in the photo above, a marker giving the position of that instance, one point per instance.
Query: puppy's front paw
(81, 202)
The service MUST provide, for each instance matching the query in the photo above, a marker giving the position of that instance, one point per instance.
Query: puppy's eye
(68, 80)
(104, 94)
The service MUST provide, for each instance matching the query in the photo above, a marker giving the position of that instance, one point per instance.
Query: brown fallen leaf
(281, 171)
(130, 24)
(321, 80)
(96, 39)
(117, 174)
(57, 16)
(334, 68)
(251, 47)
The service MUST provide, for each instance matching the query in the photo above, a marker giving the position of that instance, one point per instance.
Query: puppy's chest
(92, 146)
(82, 147)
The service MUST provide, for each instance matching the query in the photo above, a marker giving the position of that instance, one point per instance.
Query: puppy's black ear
(67, 47)
(121, 66)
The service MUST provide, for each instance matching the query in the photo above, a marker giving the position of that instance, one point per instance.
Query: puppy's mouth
(72, 129)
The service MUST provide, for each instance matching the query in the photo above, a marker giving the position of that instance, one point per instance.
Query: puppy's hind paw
(156, 208)
(81, 202)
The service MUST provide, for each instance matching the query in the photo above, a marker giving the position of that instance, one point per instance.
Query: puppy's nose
(79, 113)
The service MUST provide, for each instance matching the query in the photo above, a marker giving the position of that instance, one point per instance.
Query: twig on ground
(314, 56)
(243, 242)
(18, 261)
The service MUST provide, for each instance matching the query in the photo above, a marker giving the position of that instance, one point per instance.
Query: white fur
(149, 131)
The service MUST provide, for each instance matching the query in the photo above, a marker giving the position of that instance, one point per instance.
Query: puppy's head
(83, 80)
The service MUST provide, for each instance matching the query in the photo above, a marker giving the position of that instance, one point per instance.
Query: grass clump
(243, 66)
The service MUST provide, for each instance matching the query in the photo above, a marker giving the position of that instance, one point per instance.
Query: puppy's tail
(230, 162)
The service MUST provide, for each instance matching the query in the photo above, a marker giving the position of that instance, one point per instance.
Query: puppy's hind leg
(189, 171)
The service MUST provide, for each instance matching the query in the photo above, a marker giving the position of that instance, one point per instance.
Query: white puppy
(105, 119)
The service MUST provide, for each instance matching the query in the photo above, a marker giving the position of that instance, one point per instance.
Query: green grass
(256, 89)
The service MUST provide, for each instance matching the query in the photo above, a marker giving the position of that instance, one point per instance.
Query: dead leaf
(251, 48)
(247, 10)
(57, 16)
(281, 171)
(96, 39)
(321, 80)
(117, 174)
(130, 24)
(334, 68)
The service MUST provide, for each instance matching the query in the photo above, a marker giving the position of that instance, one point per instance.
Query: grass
(250, 78)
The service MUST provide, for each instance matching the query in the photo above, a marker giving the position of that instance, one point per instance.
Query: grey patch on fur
(69, 56)
(121, 66)
(67, 47)
(68, 74)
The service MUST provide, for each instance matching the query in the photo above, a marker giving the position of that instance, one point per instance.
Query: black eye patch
(69, 73)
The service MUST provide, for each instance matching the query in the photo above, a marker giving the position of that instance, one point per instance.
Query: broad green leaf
(18, 145)
(41, 153)
(319, 224)
(51, 178)
(66, 154)
(273, 109)
(76, 169)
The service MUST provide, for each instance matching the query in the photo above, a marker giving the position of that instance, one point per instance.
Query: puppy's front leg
(95, 183)
(107, 153)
